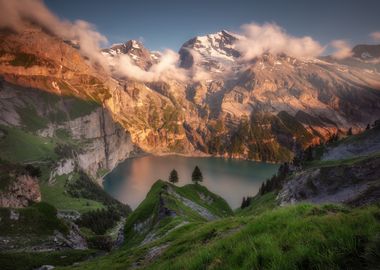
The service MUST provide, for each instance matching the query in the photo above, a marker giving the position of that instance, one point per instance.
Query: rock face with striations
(214, 52)
(103, 141)
(140, 56)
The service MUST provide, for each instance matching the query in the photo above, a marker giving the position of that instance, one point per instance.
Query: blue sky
(168, 24)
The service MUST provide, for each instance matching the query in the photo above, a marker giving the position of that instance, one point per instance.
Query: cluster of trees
(102, 242)
(246, 202)
(276, 181)
(196, 176)
(84, 187)
(100, 220)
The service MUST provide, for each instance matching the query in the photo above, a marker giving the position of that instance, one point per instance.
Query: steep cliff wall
(66, 127)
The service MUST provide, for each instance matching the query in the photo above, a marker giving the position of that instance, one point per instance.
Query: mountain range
(66, 120)
(262, 109)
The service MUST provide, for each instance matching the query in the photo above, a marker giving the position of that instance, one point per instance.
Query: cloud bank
(254, 40)
(14, 14)
(167, 68)
(342, 49)
(271, 38)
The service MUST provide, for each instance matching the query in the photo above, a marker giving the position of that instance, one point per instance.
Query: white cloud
(13, 15)
(342, 49)
(375, 36)
(271, 38)
(166, 68)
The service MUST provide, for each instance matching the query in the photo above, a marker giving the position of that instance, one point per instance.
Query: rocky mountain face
(153, 114)
(141, 57)
(270, 83)
(214, 52)
(263, 109)
(322, 95)
(344, 172)
(83, 134)
(355, 184)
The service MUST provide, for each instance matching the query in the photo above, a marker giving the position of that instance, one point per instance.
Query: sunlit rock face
(337, 94)
(234, 110)
(215, 52)
(140, 56)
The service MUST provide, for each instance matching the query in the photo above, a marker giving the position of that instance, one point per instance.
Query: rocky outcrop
(200, 210)
(356, 184)
(20, 192)
(361, 145)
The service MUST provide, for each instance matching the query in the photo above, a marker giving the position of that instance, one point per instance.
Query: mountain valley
(71, 112)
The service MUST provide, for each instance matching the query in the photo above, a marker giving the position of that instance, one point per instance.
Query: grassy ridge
(210, 201)
(261, 236)
(298, 237)
(147, 212)
(294, 237)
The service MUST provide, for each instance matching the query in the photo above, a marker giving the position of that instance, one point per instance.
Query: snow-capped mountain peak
(141, 56)
(215, 52)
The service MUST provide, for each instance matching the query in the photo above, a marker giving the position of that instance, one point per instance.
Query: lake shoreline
(132, 178)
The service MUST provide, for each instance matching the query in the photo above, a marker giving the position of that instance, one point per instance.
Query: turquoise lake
(232, 179)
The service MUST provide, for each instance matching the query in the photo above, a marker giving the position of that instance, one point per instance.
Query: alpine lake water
(232, 179)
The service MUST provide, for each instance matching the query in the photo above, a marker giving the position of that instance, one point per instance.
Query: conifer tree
(173, 177)
(197, 176)
(243, 203)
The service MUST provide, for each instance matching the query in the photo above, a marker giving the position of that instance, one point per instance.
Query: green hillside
(167, 207)
(294, 237)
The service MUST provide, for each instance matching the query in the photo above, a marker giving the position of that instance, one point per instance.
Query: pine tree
(349, 132)
(248, 201)
(243, 203)
(368, 127)
(173, 177)
(197, 175)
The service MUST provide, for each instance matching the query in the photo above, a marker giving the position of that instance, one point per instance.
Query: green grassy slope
(162, 211)
(202, 196)
(34, 260)
(259, 204)
(38, 219)
(18, 145)
(294, 237)
(56, 194)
